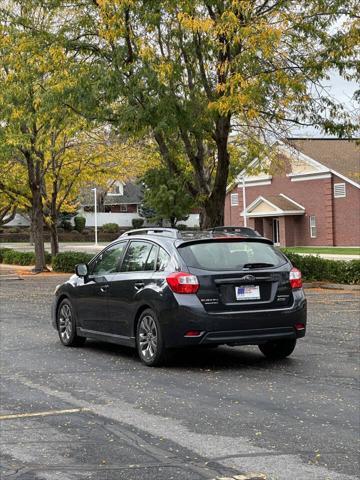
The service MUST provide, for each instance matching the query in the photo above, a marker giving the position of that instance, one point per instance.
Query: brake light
(181, 282)
(295, 278)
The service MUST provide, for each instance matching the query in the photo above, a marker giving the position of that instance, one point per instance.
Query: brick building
(309, 196)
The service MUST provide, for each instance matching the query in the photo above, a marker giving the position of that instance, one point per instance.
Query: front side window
(108, 261)
(139, 257)
(230, 255)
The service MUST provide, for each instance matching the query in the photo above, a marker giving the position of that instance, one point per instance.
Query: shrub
(137, 222)
(2, 252)
(66, 261)
(13, 257)
(110, 228)
(314, 267)
(181, 226)
(80, 223)
(67, 226)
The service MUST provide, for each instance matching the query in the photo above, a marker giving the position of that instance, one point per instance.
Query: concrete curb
(331, 286)
(10, 277)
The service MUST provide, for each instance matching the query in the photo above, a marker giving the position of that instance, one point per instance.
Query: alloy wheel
(65, 323)
(148, 337)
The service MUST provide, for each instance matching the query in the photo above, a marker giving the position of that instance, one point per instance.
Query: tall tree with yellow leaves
(193, 72)
(190, 73)
(47, 150)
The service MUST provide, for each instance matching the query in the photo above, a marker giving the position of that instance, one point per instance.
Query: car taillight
(181, 282)
(295, 278)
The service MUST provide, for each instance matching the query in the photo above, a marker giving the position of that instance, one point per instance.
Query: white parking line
(245, 476)
(44, 414)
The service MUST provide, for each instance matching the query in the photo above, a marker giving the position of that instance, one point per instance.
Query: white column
(95, 218)
(244, 201)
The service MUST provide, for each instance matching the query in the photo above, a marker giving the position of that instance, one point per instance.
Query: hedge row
(66, 261)
(313, 268)
(316, 268)
(62, 262)
(13, 257)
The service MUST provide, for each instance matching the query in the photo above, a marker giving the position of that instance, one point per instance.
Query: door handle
(139, 285)
(104, 288)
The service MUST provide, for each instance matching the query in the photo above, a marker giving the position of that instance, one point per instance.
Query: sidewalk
(329, 256)
(63, 246)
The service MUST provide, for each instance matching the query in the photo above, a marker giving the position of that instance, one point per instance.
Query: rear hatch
(238, 274)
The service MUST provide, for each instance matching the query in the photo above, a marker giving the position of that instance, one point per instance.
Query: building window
(313, 229)
(116, 189)
(234, 199)
(339, 190)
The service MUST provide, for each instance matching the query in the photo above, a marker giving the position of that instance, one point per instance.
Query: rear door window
(139, 257)
(231, 255)
(164, 262)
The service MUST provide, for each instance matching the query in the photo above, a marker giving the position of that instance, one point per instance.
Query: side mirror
(81, 270)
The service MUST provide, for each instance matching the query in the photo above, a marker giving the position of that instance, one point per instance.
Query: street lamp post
(244, 201)
(95, 212)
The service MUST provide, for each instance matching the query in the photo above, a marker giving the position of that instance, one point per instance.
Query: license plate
(248, 292)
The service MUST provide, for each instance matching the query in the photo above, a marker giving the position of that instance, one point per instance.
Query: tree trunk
(212, 214)
(37, 228)
(31, 236)
(54, 238)
(54, 215)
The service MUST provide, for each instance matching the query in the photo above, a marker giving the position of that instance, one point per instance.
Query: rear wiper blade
(258, 265)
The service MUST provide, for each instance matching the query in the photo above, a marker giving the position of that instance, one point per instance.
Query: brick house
(309, 196)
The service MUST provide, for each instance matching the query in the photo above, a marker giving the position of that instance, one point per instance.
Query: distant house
(309, 196)
(120, 204)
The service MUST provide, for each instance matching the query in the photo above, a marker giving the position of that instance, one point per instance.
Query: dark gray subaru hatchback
(157, 289)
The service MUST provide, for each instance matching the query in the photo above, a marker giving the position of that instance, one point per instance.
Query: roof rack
(191, 234)
(235, 229)
(168, 232)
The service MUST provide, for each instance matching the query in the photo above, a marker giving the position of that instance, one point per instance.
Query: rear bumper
(250, 337)
(235, 328)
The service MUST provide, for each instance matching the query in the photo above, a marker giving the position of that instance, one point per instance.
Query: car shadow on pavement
(221, 358)
(198, 358)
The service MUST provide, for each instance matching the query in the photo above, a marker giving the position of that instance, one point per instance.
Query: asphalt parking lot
(98, 413)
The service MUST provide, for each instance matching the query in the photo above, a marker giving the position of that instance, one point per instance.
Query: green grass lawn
(327, 250)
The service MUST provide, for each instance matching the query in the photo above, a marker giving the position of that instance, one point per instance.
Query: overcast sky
(343, 92)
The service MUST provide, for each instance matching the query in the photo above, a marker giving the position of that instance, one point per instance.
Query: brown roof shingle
(341, 155)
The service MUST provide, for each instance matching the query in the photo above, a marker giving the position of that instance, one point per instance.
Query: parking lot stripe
(246, 476)
(44, 414)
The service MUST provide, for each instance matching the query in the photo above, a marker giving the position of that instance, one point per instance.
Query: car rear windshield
(231, 255)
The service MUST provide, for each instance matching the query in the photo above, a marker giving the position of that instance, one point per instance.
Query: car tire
(278, 349)
(149, 339)
(66, 325)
